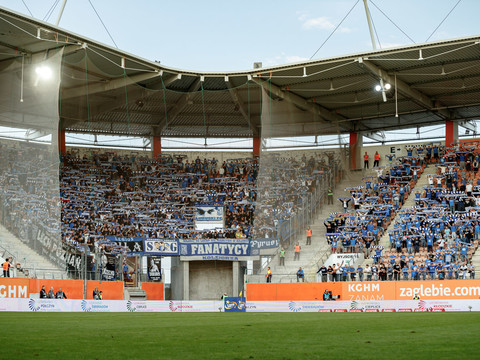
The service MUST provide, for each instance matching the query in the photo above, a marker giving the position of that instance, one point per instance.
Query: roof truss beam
(417, 96)
(325, 114)
(241, 106)
(181, 103)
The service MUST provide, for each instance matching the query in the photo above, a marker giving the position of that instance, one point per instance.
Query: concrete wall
(210, 279)
(176, 287)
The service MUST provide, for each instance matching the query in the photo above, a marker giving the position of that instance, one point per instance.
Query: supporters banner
(256, 245)
(108, 264)
(154, 268)
(209, 217)
(161, 247)
(134, 244)
(215, 249)
(54, 305)
(49, 246)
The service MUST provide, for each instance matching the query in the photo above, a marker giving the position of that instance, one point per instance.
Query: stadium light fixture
(43, 72)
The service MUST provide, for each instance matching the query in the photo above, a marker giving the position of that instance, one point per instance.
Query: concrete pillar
(156, 146)
(62, 148)
(356, 143)
(235, 277)
(186, 280)
(451, 132)
(256, 146)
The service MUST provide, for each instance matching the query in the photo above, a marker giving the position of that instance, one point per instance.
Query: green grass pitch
(240, 336)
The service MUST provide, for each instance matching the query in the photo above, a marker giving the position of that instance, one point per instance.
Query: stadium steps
(476, 262)
(134, 293)
(36, 264)
(409, 203)
(311, 255)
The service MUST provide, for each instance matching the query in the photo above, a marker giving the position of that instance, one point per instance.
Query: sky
(232, 35)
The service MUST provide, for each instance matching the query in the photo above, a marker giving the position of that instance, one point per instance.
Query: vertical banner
(108, 267)
(154, 268)
(234, 304)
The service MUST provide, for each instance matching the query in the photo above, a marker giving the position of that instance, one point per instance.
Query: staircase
(311, 256)
(37, 265)
(134, 293)
(409, 203)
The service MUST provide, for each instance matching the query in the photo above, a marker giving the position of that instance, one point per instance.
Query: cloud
(295, 58)
(284, 59)
(321, 23)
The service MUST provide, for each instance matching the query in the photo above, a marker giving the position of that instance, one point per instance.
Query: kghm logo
(172, 306)
(294, 307)
(31, 305)
(229, 305)
(131, 307)
(85, 307)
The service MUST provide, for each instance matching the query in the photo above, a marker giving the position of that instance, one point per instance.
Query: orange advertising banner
(368, 290)
(14, 288)
(438, 290)
(371, 290)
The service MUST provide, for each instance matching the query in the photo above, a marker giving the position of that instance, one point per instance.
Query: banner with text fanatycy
(215, 249)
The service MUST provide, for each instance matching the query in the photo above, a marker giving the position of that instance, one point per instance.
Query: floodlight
(388, 86)
(378, 88)
(44, 72)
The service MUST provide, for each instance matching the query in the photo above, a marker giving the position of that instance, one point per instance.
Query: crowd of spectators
(435, 239)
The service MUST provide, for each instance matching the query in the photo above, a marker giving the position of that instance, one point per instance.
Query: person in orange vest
(376, 159)
(269, 275)
(6, 267)
(309, 236)
(297, 252)
(365, 161)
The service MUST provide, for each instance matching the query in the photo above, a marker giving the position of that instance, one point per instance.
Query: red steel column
(62, 148)
(156, 146)
(256, 146)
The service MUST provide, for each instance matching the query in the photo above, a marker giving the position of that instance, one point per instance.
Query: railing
(289, 230)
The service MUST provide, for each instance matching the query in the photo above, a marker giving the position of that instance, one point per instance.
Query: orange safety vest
(309, 232)
(297, 248)
(377, 157)
(365, 157)
(6, 266)
(269, 273)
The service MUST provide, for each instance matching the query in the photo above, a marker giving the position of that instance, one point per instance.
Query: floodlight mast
(61, 12)
(370, 27)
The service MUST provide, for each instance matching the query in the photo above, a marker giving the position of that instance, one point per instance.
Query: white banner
(53, 305)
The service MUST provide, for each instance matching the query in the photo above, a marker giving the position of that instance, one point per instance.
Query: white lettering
(194, 249)
(22, 292)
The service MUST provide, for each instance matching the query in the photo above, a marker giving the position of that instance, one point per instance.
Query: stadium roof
(129, 95)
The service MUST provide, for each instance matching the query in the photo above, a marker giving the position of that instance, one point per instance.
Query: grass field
(240, 336)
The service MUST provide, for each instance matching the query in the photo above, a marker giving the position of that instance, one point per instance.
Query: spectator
(300, 275)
